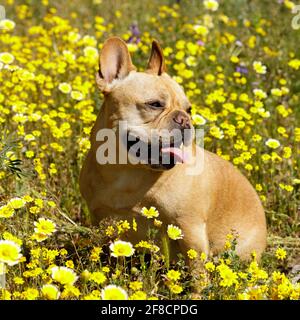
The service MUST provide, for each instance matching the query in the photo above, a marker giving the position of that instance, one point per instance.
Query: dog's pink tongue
(179, 155)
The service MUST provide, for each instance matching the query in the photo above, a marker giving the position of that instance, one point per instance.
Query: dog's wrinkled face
(151, 103)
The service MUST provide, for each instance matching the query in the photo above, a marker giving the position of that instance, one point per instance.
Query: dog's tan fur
(207, 206)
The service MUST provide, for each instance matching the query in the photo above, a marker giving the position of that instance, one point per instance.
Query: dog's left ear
(156, 63)
(114, 63)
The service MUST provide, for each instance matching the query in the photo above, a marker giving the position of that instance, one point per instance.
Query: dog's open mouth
(158, 155)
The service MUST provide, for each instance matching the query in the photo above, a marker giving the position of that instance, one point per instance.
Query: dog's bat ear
(114, 62)
(156, 63)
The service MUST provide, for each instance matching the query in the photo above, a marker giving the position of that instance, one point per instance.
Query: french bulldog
(206, 204)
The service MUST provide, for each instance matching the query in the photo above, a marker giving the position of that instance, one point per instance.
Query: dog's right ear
(114, 63)
(156, 64)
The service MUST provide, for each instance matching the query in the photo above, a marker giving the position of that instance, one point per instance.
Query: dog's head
(152, 104)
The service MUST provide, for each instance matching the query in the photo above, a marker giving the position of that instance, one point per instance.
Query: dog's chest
(128, 197)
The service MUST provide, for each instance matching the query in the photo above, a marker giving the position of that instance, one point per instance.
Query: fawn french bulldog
(206, 204)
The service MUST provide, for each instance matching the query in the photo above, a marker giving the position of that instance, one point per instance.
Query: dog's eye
(189, 110)
(155, 104)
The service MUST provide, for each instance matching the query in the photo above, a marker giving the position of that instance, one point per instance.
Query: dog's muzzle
(159, 155)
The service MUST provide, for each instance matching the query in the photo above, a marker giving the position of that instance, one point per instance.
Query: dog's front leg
(195, 237)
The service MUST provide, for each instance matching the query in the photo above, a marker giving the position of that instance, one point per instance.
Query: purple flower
(200, 43)
(241, 69)
(135, 30)
(135, 34)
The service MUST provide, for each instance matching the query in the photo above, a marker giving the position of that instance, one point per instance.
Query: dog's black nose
(182, 119)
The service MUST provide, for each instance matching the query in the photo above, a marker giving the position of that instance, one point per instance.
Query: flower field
(239, 63)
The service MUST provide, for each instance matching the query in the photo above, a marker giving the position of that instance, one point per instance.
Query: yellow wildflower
(174, 232)
(121, 249)
(112, 292)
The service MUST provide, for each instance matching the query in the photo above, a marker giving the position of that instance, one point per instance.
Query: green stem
(166, 250)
